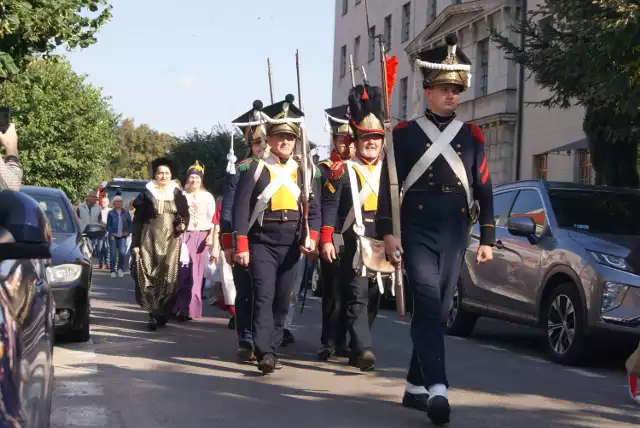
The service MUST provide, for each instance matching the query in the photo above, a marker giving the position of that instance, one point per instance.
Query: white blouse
(202, 208)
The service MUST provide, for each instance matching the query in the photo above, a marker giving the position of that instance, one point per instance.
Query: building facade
(491, 102)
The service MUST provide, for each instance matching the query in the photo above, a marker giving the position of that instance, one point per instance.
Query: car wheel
(316, 282)
(459, 322)
(84, 333)
(563, 318)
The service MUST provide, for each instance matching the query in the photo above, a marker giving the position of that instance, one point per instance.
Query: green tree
(210, 149)
(587, 52)
(67, 130)
(30, 29)
(138, 146)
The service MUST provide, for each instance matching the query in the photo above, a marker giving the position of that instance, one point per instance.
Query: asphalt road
(186, 376)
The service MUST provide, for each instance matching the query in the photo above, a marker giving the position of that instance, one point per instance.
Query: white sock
(438, 389)
(413, 389)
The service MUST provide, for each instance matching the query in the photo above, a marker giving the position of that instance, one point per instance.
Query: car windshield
(126, 194)
(597, 211)
(56, 212)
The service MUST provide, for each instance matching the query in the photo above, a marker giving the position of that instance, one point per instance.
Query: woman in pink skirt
(197, 240)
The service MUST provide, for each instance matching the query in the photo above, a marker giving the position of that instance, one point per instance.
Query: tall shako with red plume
(366, 111)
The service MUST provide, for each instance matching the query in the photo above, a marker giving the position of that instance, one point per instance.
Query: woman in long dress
(197, 238)
(162, 215)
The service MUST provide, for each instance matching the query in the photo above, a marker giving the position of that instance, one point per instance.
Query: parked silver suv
(559, 263)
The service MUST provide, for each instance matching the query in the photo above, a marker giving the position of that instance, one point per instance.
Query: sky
(180, 65)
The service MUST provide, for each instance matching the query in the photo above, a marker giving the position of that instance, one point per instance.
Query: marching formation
(389, 206)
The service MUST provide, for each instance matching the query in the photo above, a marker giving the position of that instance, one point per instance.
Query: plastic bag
(211, 272)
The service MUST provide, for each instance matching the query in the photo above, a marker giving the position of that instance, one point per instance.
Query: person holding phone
(10, 167)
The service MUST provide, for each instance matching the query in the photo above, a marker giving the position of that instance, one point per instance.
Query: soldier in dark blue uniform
(253, 136)
(268, 227)
(334, 323)
(442, 169)
(354, 219)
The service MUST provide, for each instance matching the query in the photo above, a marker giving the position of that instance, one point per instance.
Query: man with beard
(441, 167)
(253, 136)
(268, 227)
(334, 321)
(360, 182)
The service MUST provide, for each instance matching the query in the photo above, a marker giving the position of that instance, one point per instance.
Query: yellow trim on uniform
(371, 203)
(330, 186)
(283, 199)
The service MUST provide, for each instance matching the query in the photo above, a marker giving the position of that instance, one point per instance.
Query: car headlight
(612, 295)
(612, 261)
(62, 274)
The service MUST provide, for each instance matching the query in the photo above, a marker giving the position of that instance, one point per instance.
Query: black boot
(438, 410)
(245, 353)
(287, 338)
(162, 320)
(232, 323)
(415, 401)
(366, 360)
(267, 364)
(325, 353)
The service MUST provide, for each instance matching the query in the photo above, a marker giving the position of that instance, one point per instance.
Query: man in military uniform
(268, 227)
(441, 168)
(334, 317)
(253, 136)
(350, 210)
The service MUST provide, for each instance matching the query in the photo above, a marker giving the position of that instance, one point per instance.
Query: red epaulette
(476, 132)
(401, 125)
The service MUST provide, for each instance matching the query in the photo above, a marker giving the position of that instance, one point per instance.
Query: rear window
(597, 211)
(126, 193)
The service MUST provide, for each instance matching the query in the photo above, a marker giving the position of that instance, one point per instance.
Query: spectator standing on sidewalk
(89, 213)
(102, 249)
(118, 229)
(10, 168)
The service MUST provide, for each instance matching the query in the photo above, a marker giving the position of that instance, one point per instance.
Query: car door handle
(499, 245)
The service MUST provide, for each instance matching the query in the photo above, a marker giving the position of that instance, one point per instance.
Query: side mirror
(521, 226)
(94, 231)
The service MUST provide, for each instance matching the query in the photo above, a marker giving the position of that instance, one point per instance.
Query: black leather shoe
(232, 323)
(438, 410)
(162, 321)
(245, 354)
(267, 364)
(325, 353)
(153, 324)
(415, 401)
(366, 361)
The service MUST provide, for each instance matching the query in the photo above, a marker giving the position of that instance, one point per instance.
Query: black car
(26, 314)
(71, 269)
(128, 189)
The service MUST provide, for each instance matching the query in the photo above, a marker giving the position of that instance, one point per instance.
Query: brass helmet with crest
(445, 64)
(284, 110)
(366, 111)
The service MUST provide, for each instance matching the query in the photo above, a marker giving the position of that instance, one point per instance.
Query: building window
(372, 44)
(404, 98)
(433, 10)
(343, 60)
(356, 50)
(541, 167)
(585, 166)
(406, 22)
(387, 33)
(483, 67)
(345, 6)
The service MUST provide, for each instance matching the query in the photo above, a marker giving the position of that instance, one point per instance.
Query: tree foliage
(585, 51)
(137, 147)
(67, 130)
(30, 29)
(210, 149)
